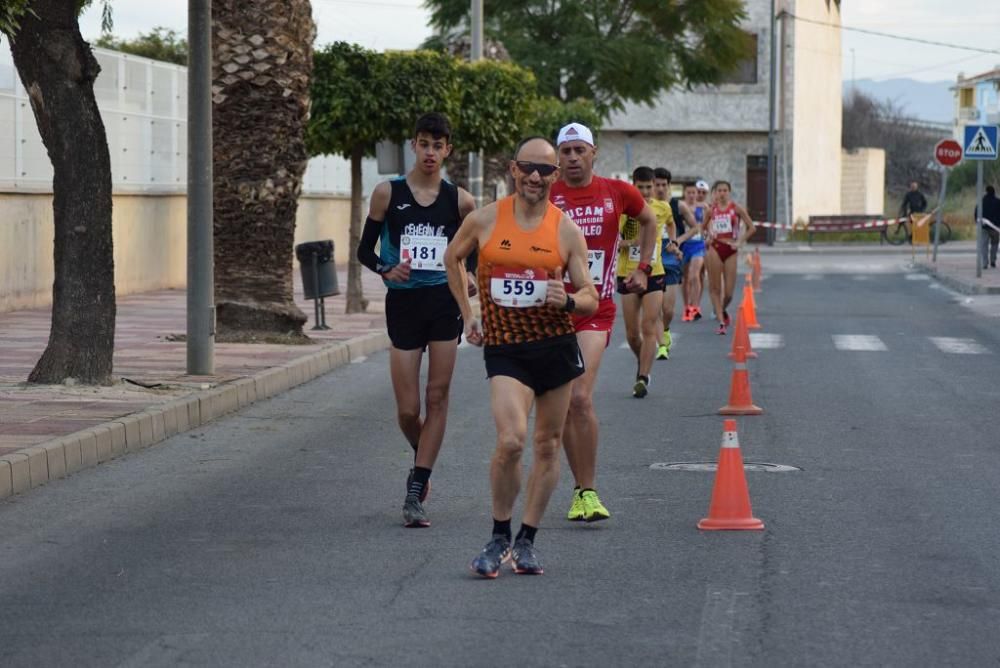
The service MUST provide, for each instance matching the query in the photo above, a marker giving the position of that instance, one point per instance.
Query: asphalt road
(274, 537)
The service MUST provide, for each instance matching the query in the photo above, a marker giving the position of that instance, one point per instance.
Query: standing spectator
(991, 213)
(913, 202)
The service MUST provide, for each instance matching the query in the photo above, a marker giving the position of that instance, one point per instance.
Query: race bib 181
(518, 288)
(424, 253)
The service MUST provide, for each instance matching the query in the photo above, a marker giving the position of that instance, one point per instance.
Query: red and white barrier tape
(829, 227)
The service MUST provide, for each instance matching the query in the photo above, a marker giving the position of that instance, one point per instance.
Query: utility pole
(476, 53)
(200, 279)
(772, 96)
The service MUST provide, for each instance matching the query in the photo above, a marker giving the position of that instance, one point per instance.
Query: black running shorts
(541, 365)
(417, 316)
(653, 284)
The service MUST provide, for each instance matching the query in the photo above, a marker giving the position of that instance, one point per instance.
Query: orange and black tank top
(514, 269)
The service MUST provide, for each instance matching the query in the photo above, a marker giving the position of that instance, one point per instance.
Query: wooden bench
(847, 223)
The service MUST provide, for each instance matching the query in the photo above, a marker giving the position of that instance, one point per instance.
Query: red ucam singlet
(596, 209)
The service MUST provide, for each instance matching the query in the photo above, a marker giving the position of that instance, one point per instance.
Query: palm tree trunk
(58, 70)
(262, 63)
(356, 302)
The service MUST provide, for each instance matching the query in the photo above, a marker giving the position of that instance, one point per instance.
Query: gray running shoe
(526, 559)
(488, 563)
(413, 513)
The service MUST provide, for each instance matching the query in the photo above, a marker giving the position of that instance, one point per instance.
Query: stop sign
(948, 152)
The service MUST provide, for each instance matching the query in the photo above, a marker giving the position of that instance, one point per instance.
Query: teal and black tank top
(419, 232)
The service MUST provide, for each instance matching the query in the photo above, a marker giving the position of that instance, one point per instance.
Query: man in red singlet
(725, 239)
(595, 204)
(525, 243)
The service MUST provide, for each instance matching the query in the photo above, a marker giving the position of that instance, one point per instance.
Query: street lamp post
(476, 53)
(771, 172)
(200, 281)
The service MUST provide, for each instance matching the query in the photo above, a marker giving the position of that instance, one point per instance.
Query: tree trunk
(356, 302)
(58, 71)
(262, 64)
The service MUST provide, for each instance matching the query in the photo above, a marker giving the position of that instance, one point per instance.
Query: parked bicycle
(901, 232)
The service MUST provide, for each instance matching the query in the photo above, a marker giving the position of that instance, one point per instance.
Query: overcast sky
(402, 24)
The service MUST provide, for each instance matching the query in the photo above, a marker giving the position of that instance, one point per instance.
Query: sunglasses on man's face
(543, 168)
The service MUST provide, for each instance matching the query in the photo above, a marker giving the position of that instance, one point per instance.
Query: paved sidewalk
(38, 421)
(958, 271)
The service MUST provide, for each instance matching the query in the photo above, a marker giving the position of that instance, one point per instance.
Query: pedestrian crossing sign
(980, 142)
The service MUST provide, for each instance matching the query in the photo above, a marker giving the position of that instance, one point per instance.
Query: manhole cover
(711, 466)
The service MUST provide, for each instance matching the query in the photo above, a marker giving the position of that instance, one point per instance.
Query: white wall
(150, 242)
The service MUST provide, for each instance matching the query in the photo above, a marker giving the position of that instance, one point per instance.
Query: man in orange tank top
(525, 246)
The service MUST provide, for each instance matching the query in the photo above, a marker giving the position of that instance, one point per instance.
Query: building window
(966, 97)
(746, 70)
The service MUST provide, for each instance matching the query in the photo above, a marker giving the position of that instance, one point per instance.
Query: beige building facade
(721, 132)
(863, 182)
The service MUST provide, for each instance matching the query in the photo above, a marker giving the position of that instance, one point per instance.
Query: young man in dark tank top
(413, 218)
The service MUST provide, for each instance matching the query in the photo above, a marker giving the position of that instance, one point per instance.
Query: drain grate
(711, 467)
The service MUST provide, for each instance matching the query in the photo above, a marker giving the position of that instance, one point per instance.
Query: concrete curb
(37, 465)
(957, 284)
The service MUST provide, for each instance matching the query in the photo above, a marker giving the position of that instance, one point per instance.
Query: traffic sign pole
(979, 214)
(940, 211)
(947, 154)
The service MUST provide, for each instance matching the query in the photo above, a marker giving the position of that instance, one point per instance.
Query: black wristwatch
(570, 304)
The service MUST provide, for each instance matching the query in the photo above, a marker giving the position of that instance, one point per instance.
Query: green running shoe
(593, 509)
(667, 341)
(575, 513)
(662, 353)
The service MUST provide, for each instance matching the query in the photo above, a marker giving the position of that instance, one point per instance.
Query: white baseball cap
(575, 131)
(701, 185)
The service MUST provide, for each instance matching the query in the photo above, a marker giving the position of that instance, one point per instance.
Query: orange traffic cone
(751, 305)
(740, 401)
(741, 336)
(756, 270)
(730, 506)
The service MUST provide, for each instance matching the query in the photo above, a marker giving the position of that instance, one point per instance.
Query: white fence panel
(144, 107)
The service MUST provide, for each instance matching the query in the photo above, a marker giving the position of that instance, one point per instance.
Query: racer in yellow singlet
(642, 311)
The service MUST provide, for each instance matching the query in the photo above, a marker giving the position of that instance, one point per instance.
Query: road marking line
(861, 277)
(718, 632)
(761, 341)
(858, 342)
(948, 344)
(813, 277)
(918, 277)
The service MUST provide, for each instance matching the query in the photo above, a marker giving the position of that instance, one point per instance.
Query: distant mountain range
(925, 100)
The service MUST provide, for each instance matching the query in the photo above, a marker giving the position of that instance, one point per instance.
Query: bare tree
(908, 144)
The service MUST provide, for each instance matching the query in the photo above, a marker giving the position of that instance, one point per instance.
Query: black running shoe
(414, 516)
(496, 552)
(427, 487)
(526, 559)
